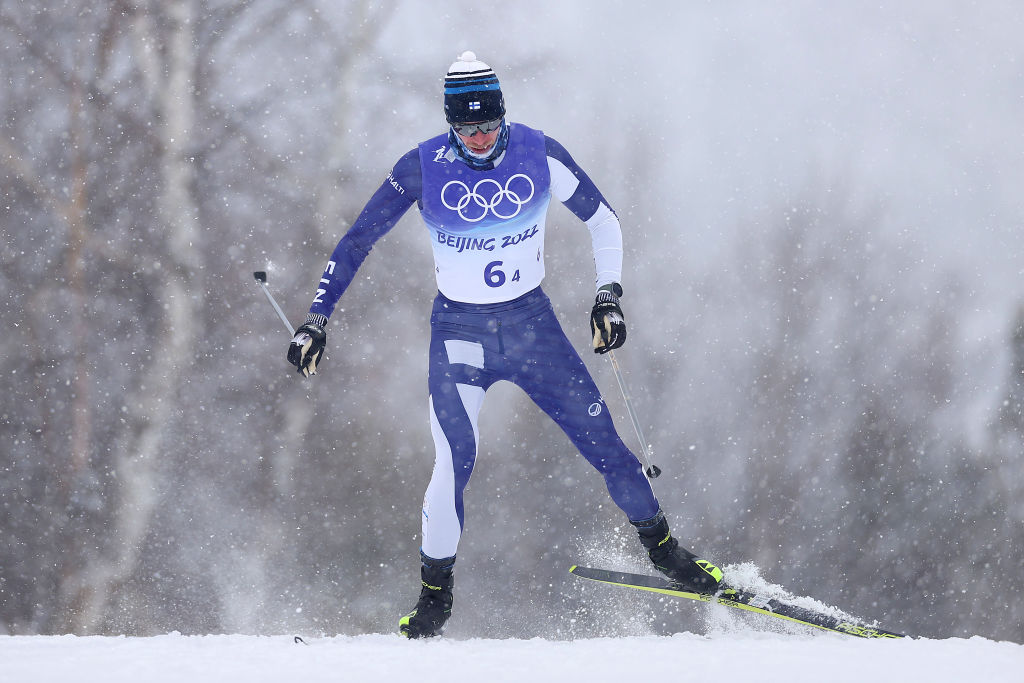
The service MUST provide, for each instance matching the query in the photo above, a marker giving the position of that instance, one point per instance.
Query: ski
(738, 598)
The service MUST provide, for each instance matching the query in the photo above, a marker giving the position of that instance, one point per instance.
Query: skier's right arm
(387, 205)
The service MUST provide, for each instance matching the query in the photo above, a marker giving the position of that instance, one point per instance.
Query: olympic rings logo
(477, 203)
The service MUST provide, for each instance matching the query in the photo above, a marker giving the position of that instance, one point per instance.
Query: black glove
(607, 323)
(308, 345)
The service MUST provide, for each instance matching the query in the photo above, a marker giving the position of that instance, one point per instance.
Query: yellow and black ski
(740, 599)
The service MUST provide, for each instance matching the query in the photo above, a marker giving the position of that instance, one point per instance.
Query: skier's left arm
(574, 188)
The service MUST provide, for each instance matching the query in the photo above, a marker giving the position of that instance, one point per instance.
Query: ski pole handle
(652, 471)
(261, 280)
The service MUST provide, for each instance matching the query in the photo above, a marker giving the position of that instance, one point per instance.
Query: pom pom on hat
(472, 91)
(468, 63)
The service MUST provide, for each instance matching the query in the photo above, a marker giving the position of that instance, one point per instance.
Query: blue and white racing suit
(490, 320)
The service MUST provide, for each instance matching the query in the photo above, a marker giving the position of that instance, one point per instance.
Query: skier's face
(478, 142)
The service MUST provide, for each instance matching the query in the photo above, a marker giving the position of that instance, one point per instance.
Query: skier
(483, 190)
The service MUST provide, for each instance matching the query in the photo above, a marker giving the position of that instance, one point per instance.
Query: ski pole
(652, 470)
(261, 279)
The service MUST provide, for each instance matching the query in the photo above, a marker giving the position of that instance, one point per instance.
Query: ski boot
(435, 603)
(674, 561)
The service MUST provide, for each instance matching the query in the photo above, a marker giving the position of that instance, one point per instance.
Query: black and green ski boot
(674, 561)
(435, 603)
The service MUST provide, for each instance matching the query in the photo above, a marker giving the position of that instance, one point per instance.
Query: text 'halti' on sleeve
(400, 189)
(574, 188)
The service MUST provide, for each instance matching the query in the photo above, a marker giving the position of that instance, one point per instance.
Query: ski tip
(260, 275)
(572, 568)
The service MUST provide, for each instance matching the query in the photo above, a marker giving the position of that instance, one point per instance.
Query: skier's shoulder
(568, 180)
(408, 163)
(557, 151)
(405, 175)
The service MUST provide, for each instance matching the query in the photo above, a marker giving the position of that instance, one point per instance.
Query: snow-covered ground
(733, 646)
(723, 658)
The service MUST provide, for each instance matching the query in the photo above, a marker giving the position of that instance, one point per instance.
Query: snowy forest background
(822, 206)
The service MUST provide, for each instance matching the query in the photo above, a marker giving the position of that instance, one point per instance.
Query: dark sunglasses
(470, 129)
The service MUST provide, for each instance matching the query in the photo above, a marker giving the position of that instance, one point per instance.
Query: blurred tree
(998, 496)
(105, 152)
(126, 160)
(834, 365)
